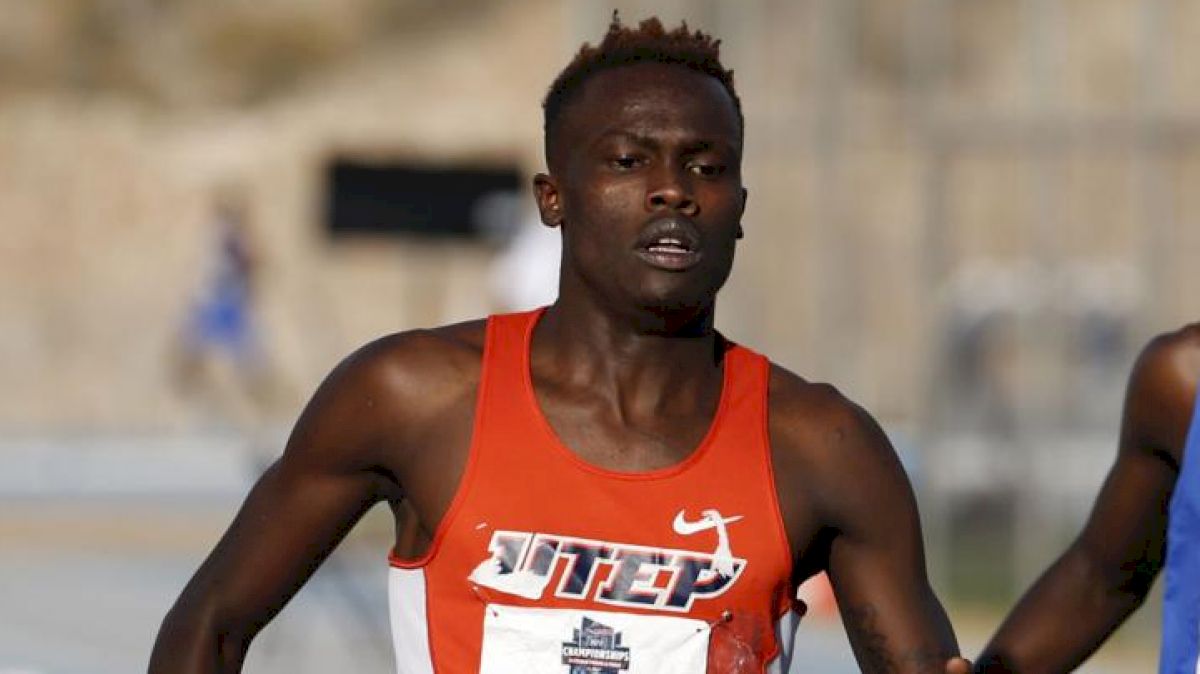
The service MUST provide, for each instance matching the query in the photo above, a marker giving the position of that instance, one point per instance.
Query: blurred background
(968, 214)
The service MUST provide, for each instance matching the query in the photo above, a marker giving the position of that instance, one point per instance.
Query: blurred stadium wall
(968, 215)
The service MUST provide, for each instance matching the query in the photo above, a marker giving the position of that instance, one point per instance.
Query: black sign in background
(406, 199)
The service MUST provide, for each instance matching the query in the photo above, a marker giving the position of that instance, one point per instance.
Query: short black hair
(624, 46)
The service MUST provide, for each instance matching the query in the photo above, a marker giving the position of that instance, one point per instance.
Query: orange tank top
(544, 563)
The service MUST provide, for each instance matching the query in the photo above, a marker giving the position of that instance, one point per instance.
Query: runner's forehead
(653, 101)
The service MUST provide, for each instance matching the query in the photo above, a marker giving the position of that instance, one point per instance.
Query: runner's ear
(549, 202)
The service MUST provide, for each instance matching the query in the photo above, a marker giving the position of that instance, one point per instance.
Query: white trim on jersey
(410, 628)
(785, 636)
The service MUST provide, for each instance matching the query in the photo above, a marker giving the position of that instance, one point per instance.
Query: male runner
(604, 486)
(1108, 571)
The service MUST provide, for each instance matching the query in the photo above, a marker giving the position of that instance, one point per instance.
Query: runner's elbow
(196, 638)
(1119, 583)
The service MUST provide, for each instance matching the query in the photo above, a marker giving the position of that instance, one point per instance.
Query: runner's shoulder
(1169, 366)
(816, 421)
(414, 370)
(829, 452)
(1183, 344)
(1162, 393)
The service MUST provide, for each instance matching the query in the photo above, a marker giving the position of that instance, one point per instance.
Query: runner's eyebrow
(691, 146)
(630, 136)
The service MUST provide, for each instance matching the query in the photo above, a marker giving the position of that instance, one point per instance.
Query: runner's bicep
(877, 566)
(1126, 531)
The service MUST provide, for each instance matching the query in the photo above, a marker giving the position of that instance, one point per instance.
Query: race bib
(567, 641)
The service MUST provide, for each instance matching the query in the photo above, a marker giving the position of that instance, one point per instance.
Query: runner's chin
(673, 290)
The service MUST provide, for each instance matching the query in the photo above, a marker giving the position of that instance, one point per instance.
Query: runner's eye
(626, 162)
(706, 170)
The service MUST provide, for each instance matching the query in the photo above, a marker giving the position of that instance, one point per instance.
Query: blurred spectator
(220, 361)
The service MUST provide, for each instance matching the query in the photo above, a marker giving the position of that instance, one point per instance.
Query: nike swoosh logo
(710, 520)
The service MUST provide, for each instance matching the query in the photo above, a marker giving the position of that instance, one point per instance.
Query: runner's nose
(672, 190)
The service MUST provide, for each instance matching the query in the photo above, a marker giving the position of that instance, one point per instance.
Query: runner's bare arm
(339, 461)
(1108, 571)
(871, 536)
(877, 560)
